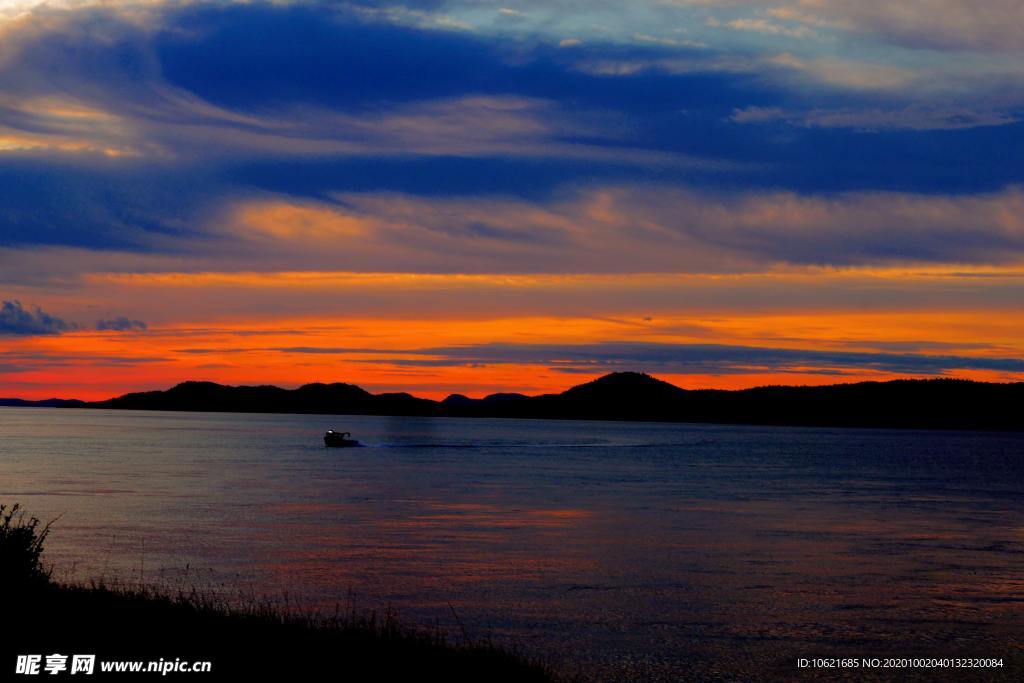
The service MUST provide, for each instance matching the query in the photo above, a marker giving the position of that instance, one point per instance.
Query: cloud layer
(634, 229)
(123, 125)
(493, 176)
(678, 358)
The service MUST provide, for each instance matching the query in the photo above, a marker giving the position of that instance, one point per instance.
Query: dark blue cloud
(104, 205)
(255, 57)
(259, 60)
(931, 161)
(713, 358)
(16, 320)
(667, 357)
(120, 324)
(440, 176)
(249, 56)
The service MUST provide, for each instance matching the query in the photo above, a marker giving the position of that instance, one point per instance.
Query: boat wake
(540, 444)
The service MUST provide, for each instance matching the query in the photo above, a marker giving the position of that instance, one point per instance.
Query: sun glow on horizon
(722, 194)
(434, 357)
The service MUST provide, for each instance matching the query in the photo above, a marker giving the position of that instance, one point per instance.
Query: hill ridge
(935, 403)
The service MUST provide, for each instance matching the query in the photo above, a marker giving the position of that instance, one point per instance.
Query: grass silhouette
(255, 640)
(21, 547)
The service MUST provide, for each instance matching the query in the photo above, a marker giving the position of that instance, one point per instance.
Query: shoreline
(932, 404)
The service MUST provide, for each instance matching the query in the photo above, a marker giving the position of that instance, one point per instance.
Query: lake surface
(627, 551)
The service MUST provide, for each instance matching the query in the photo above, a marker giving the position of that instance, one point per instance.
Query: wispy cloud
(676, 358)
(993, 25)
(874, 119)
(845, 73)
(633, 229)
(762, 25)
(614, 229)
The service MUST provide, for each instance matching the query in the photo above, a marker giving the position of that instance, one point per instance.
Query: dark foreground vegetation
(258, 642)
(924, 404)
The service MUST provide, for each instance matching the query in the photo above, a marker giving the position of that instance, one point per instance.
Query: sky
(451, 196)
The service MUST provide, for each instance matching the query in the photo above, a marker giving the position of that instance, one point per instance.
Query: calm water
(630, 551)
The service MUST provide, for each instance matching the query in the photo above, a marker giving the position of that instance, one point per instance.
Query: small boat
(335, 439)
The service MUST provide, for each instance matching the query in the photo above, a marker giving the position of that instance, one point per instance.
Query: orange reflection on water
(481, 515)
(426, 546)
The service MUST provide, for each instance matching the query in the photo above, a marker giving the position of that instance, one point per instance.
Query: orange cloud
(373, 351)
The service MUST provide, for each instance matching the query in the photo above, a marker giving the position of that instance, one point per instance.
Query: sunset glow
(473, 198)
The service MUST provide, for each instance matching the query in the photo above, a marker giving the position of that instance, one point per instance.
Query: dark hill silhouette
(495, 399)
(457, 400)
(45, 403)
(930, 404)
(624, 386)
(336, 398)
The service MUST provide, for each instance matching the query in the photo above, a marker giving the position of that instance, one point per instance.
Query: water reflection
(646, 552)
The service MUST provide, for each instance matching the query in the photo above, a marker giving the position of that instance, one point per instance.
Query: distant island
(906, 403)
